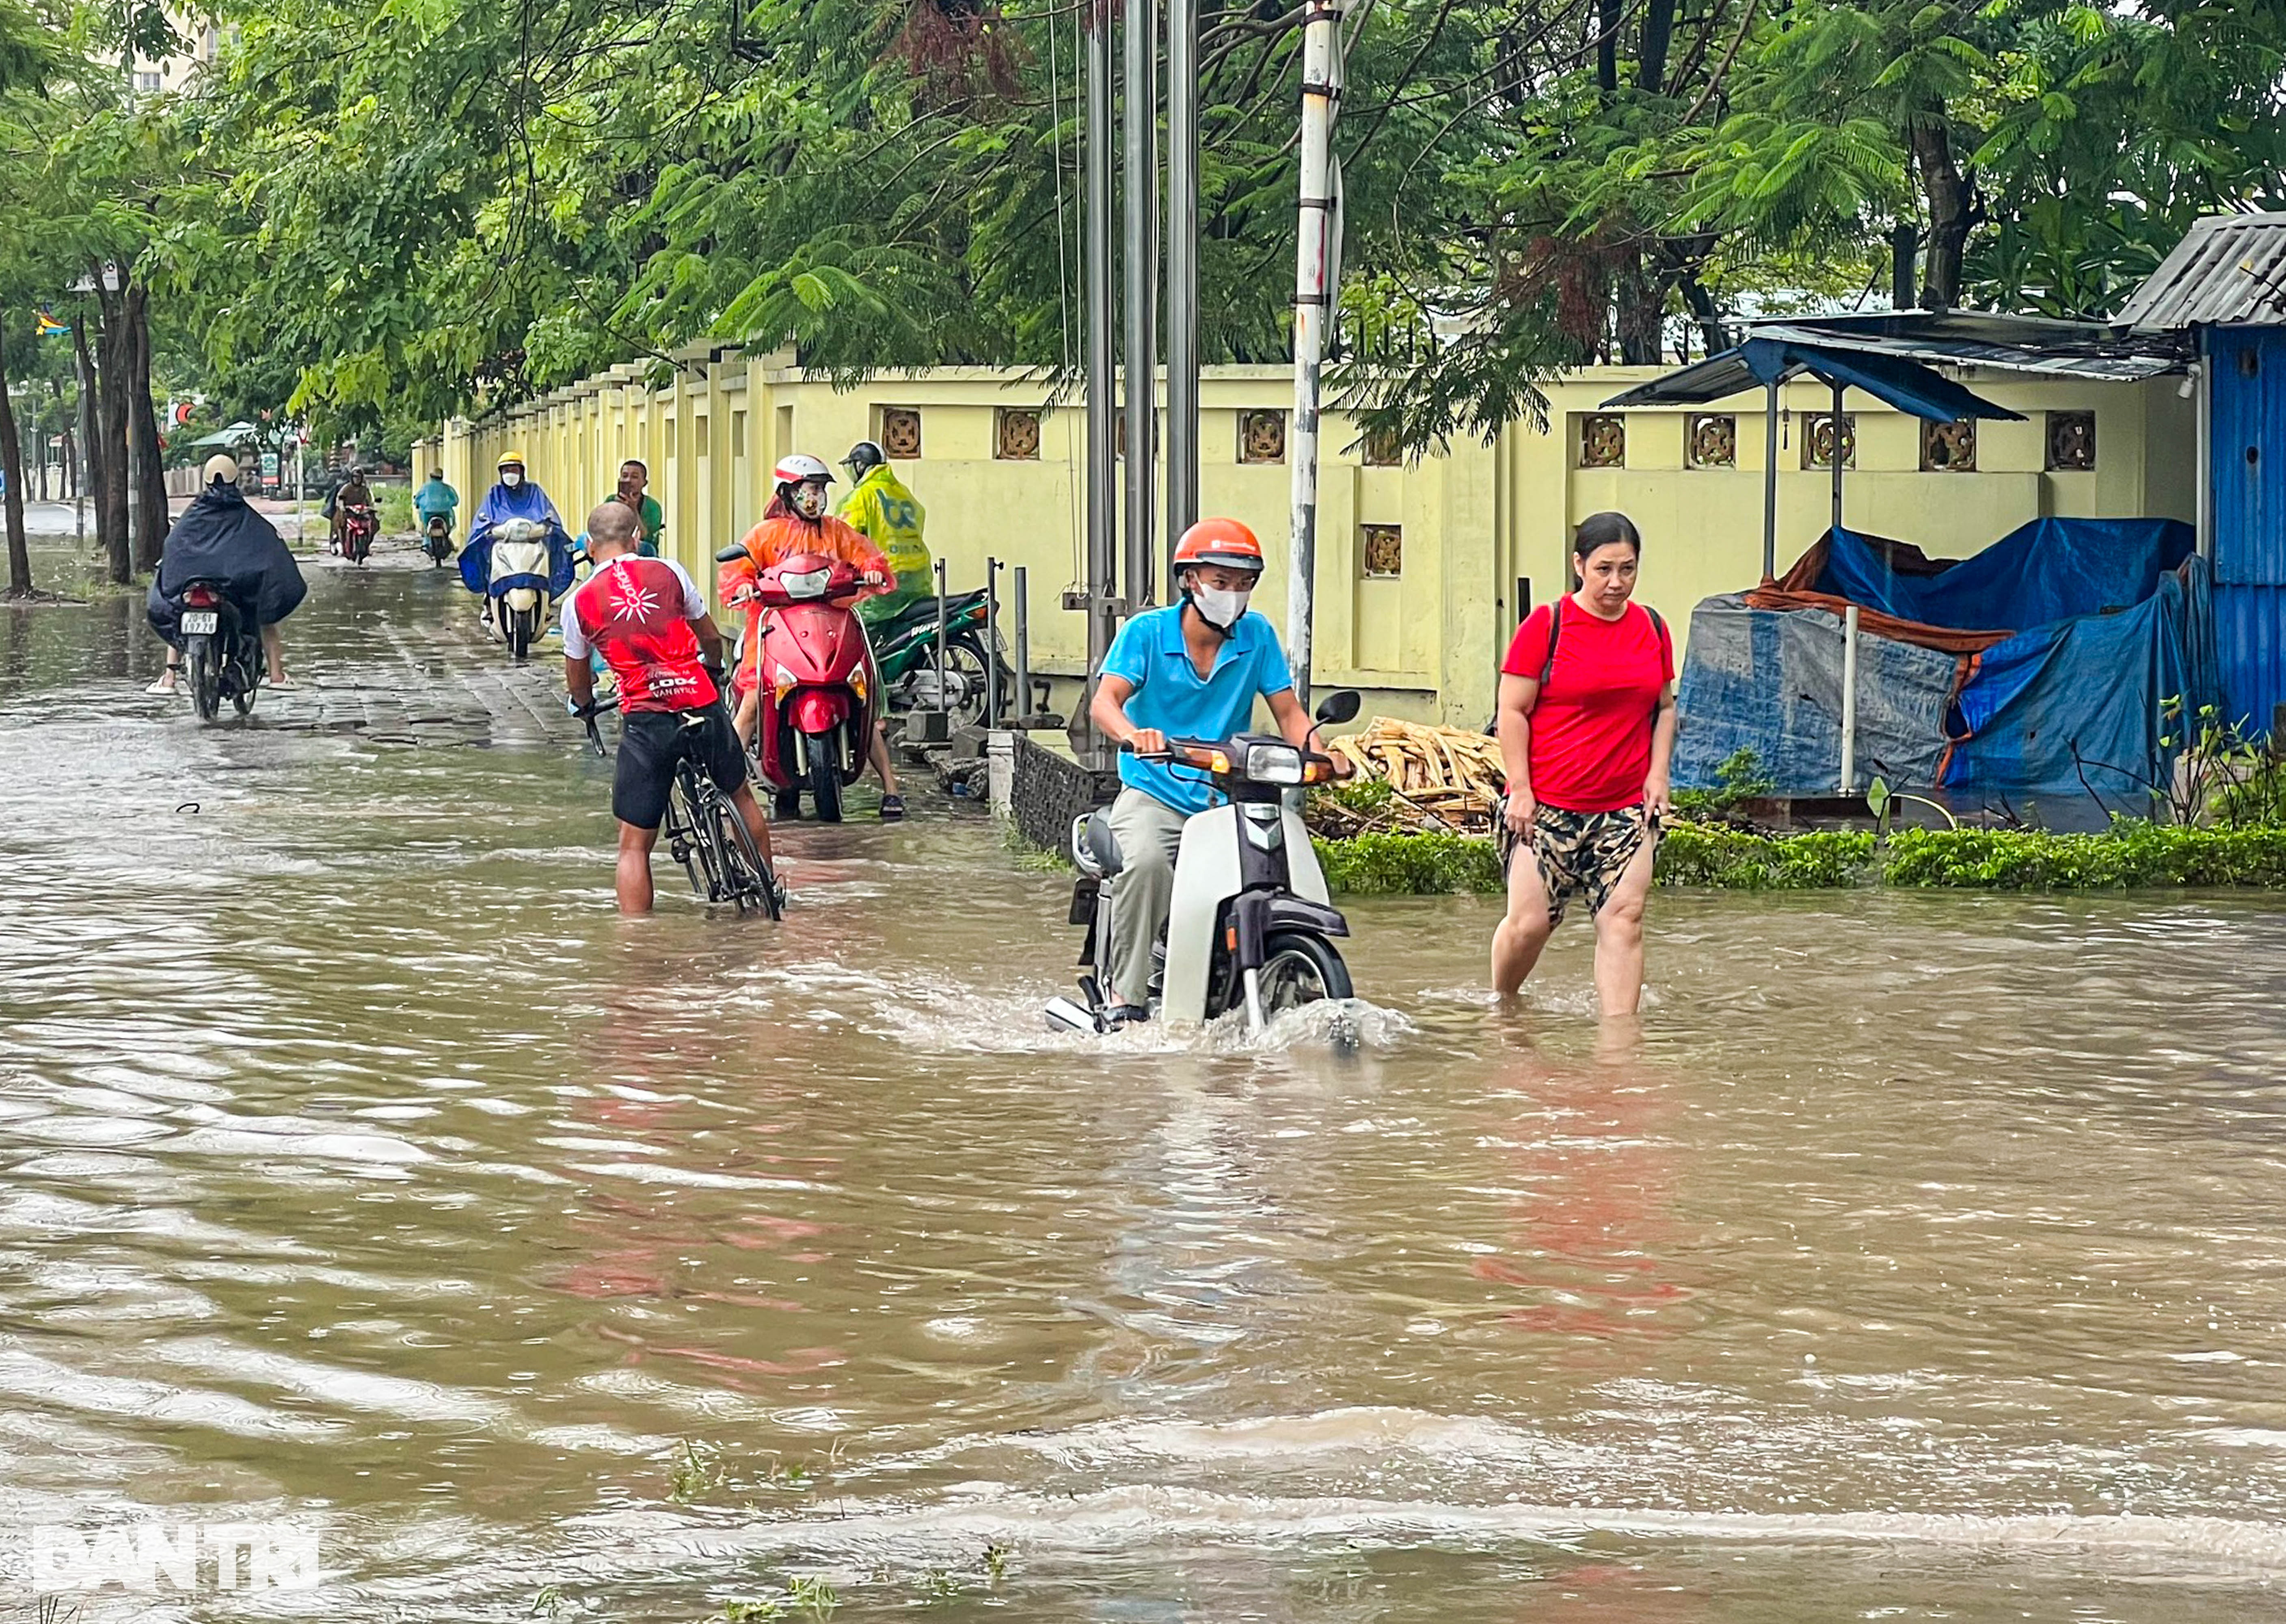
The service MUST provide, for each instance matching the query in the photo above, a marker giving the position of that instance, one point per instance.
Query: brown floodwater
(1921, 1257)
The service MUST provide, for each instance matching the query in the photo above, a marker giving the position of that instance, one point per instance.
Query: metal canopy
(2228, 268)
(1767, 359)
(2036, 344)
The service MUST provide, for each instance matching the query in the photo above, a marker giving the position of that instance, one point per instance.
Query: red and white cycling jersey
(637, 614)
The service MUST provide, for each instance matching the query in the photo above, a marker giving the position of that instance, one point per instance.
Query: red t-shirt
(637, 612)
(1591, 725)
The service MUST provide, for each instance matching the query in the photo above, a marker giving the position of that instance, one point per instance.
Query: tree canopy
(381, 211)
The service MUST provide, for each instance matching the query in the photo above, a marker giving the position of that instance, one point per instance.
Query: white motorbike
(517, 596)
(1251, 926)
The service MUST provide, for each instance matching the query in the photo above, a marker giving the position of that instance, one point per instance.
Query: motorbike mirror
(1103, 846)
(1338, 707)
(730, 553)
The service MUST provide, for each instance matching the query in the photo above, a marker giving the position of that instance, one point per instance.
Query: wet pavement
(1921, 1256)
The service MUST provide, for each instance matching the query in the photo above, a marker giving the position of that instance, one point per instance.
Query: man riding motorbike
(435, 498)
(351, 492)
(220, 537)
(796, 522)
(1192, 669)
(515, 497)
(879, 508)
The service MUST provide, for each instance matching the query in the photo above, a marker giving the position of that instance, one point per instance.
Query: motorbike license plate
(207, 620)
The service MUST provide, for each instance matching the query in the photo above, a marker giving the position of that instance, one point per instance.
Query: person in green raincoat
(890, 515)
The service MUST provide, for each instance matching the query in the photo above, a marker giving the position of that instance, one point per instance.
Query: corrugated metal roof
(2228, 268)
(2036, 344)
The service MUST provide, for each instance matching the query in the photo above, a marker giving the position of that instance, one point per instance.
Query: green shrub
(1710, 855)
(1409, 864)
(394, 504)
(2131, 853)
(1738, 780)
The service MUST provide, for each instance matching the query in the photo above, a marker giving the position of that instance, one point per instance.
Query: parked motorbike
(904, 650)
(819, 697)
(359, 526)
(517, 595)
(1251, 926)
(222, 650)
(436, 539)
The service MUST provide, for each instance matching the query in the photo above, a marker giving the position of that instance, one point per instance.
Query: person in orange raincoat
(797, 522)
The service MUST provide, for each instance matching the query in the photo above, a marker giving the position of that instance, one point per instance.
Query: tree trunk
(1657, 36)
(1949, 204)
(11, 464)
(150, 520)
(115, 361)
(1903, 242)
(1641, 299)
(1608, 13)
(1704, 310)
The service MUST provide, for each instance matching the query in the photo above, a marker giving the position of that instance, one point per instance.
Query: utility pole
(1182, 272)
(1314, 254)
(1140, 39)
(1100, 603)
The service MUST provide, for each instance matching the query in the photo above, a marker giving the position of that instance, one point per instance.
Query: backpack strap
(1555, 630)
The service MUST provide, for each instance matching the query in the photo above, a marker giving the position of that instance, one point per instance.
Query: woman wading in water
(1587, 730)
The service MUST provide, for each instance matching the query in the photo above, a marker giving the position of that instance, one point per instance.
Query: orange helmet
(1223, 541)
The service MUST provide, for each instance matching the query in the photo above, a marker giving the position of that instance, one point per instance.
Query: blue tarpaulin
(2048, 570)
(2092, 626)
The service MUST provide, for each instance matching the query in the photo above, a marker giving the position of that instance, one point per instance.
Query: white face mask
(511, 479)
(809, 499)
(1221, 610)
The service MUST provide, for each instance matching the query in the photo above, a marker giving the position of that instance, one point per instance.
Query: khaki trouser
(1134, 910)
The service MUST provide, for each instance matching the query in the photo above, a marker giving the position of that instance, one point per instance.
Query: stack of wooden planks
(1438, 778)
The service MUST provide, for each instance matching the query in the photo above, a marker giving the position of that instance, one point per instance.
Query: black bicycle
(704, 833)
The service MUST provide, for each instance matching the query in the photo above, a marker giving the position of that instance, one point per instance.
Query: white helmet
(801, 483)
(795, 468)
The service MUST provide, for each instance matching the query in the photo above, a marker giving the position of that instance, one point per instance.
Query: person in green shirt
(880, 506)
(633, 478)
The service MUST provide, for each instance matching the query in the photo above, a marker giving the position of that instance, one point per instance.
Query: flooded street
(1924, 1256)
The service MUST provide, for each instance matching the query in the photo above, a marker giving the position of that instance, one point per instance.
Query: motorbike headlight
(858, 684)
(781, 684)
(811, 584)
(1274, 764)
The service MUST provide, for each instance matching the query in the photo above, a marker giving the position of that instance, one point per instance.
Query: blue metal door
(2248, 443)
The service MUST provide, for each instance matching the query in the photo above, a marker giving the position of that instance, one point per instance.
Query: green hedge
(2129, 855)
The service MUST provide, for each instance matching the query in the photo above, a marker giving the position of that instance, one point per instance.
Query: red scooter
(819, 690)
(359, 524)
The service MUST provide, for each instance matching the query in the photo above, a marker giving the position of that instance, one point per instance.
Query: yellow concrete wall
(1425, 644)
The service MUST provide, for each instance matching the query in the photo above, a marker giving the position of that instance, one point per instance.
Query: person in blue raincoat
(515, 497)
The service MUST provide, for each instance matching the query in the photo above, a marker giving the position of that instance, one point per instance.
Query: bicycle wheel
(689, 840)
(203, 665)
(750, 882)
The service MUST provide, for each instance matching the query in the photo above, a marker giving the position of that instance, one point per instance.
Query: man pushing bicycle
(647, 620)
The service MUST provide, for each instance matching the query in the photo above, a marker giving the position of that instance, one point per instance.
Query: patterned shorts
(1579, 853)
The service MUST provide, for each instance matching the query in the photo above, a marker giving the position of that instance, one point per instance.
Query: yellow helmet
(508, 457)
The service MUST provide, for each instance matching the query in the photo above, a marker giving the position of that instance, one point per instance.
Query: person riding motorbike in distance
(1192, 669)
(795, 523)
(221, 538)
(436, 499)
(513, 496)
(352, 493)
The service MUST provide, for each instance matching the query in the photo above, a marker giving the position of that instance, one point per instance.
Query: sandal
(892, 807)
(167, 684)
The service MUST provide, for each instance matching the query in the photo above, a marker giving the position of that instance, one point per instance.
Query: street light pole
(1140, 38)
(1182, 270)
(1314, 254)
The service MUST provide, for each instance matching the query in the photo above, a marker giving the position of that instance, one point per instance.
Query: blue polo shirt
(1170, 696)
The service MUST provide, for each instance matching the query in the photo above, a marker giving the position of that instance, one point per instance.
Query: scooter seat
(922, 611)
(1095, 848)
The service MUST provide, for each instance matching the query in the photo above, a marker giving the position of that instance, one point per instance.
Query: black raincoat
(219, 538)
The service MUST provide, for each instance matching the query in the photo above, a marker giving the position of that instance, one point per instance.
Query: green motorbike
(904, 647)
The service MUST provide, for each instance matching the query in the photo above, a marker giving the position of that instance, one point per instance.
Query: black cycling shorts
(651, 743)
